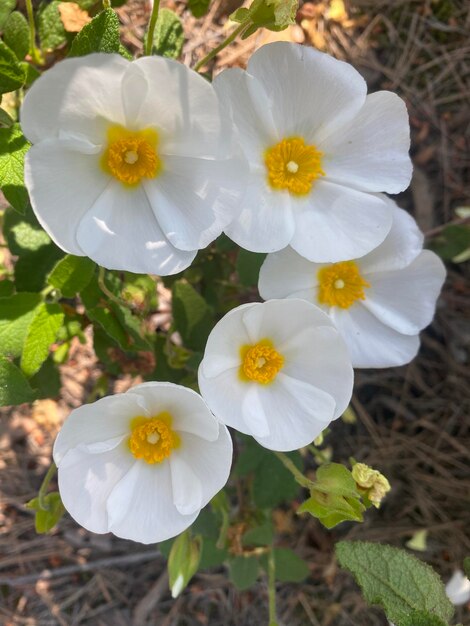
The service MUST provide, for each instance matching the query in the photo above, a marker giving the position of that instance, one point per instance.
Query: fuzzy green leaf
(14, 388)
(290, 568)
(23, 233)
(45, 520)
(422, 618)
(71, 275)
(100, 35)
(192, 315)
(52, 33)
(12, 74)
(16, 313)
(32, 269)
(5, 119)
(16, 34)
(396, 580)
(13, 147)
(169, 36)
(243, 571)
(6, 7)
(42, 332)
(198, 7)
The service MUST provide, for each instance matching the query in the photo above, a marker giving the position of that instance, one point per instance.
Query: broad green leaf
(198, 7)
(6, 119)
(23, 233)
(211, 555)
(183, 561)
(260, 535)
(248, 267)
(46, 383)
(16, 34)
(394, 579)
(32, 73)
(7, 288)
(51, 30)
(13, 147)
(45, 520)
(169, 36)
(32, 269)
(290, 568)
(12, 74)
(192, 315)
(71, 275)
(16, 313)
(273, 483)
(6, 7)
(14, 388)
(42, 332)
(422, 618)
(100, 35)
(243, 571)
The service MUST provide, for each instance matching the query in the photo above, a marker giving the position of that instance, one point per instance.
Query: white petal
(81, 95)
(121, 232)
(209, 462)
(189, 411)
(458, 588)
(194, 199)
(141, 506)
(266, 222)
(134, 94)
(286, 274)
(371, 343)
(100, 421)
(405, 299)
(338, 224)
(64, 180)
(252, 411)
(224, 394)
(86, 480)
(186, 486)
(311, 92)
(401, 246)
(371, 153)
(182, 105)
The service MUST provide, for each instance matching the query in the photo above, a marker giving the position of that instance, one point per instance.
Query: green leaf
(16, 313)
(46, 519)
(12, 75)
(169, 35)
(6, 119)
(290, 568)
(100, 35)
(32, 269)
(51, 30)
(248, 267)
(198, 7)
(452, 242)
(274, 15)
(71, 274)
(14, 388)
(13, 147)
(260, 535)
(46, 383)
(422, 618)
(394, 579)
(6, 7)
(211, 555)
(7, 288)
(23, 233)
(466, 566)
(273, 483)
(183, 561)
(42, 332)
(192, 315)
(16, 34)
(243, 571)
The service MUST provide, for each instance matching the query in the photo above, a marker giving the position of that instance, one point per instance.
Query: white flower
(278, 371)
(379, 302)
(316, 145)
(458, 588)
(142, 464)
(127, 163)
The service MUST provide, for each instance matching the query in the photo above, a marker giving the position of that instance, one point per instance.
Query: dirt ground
(412, 421)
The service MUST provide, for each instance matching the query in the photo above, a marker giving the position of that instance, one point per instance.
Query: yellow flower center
(260, 362)
(153, 439)
(131, 155)
(293, 165)
(341, 284)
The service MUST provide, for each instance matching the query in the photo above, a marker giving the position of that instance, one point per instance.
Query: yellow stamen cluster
(371, 482)
(152, 439)
(131, 155)
(293, 165)
(260, 362)
(341, 284)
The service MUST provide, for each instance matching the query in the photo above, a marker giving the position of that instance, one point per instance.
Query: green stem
(243, 26)
(106, 4)
(299, 477)
(151, 28)
(33, 51)
(106, 291)
(45, 484)
(272, 589)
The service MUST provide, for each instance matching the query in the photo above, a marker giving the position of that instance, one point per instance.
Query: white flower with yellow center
(142, 464)
(379, 302)
(278, 371)
(129, 164)
(317, 146)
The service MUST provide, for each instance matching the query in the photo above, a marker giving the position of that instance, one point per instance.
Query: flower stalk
(151, 29)
(35, 54)
(230, 39)
(288, 464)
(45, 485)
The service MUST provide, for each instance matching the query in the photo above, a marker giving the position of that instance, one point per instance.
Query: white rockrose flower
(278, 371)
(142, 464)
(129, 164)
(458, 588)
(379, 302)
(317, 146)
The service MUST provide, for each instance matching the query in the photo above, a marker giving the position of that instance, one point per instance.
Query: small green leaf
(6, 7)
(183, 561)
(466, 566)
(396, 580)
(192, 315)
(169, 35)
(198, 7)
(290, 568)
(71, 274)
(100, 35)
(16, 34)
(16, 313)
(452, 243)
(248, 267)
(243, 571)
(51, 30)
(13, 147)
(12, 75)
(42, 332)
(211, 555)
(421, 618)
(274, 15)
(14, 388)
(45, 520)
(262, 535)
